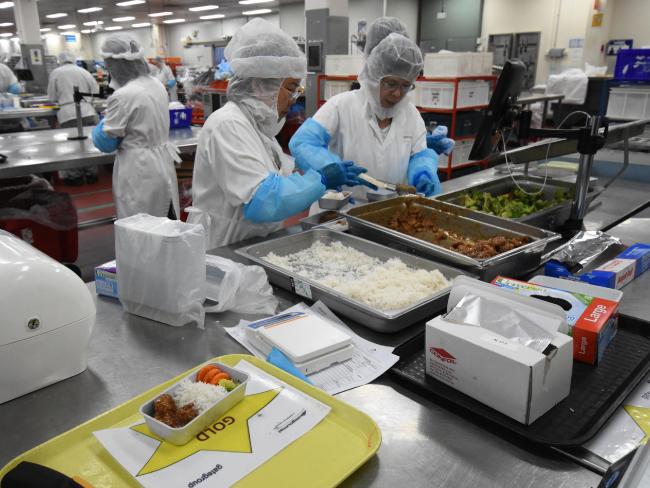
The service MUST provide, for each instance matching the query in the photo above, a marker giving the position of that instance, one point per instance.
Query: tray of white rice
(378, 287)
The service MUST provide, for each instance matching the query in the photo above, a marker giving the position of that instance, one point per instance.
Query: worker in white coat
(376, 127)
(137, 126)
(166, 77)
(8, 81)
(244, 185)
(60, 89)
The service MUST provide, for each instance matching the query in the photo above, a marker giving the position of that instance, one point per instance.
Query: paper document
(369, 360)
(628, 427)
(271, 416)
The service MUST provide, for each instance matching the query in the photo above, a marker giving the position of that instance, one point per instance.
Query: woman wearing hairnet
(243, 183)
(164, 74)
(137, 126)
(376, 127)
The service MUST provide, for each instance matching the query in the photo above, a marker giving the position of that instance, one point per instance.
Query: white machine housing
(47, 316)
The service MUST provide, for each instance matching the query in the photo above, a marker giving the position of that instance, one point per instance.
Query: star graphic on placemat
(229, 433)
(641, 415)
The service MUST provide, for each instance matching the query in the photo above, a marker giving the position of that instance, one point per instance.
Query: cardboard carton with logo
(591, 311)
(521, 379)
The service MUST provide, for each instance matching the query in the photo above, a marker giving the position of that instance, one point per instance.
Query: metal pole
(80, 130)
(579, 207)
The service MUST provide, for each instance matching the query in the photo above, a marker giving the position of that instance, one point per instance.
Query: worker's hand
(341, 173)
(103, 141)
(428, 184)
(15, 89)
(171, 84)
(439, 142)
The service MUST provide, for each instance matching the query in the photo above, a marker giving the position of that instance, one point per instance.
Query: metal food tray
(357, 311)
(371, 221)
(551, 218)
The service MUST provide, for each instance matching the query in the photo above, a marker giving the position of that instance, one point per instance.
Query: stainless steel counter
(424, 444)
(19, 113)
(50, 150)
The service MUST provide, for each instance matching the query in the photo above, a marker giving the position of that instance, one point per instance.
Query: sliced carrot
(211, 374)
(204, 370)
(218, 377)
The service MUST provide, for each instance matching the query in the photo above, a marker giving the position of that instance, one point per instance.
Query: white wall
(630, 21)
(292, 19)
(557, 20)
(369, 10)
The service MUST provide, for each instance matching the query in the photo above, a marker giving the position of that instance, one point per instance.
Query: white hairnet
(67, 57)
(261, 50)
(379, 29)
(122, 46)
(395, 56)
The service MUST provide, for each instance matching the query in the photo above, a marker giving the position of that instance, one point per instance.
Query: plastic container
(182, 435)
(434, 94)
(180, 118)
(457, 64)
(343, 64)
(472, 93)
(333, 203)
(632, 65)
(629, 103)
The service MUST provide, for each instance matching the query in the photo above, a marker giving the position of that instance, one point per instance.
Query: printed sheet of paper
(369, 360)
(627, 428)
(271, 416)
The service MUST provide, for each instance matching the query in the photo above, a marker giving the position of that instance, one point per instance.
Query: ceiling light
(253, 2)
(66, 26)
(141, 24)
(213, 16)
(46, 29)
(129, 3)
(6, 4)
(15, 38)
(161, 14)
(113, 27)
(56, 16)
(173, 21)
(204, 7)
(6, 24)
(123, 19)
(68, 33)
(258, 12)
(89, 10)
(6, 34)
(94, 23)
(87, 31)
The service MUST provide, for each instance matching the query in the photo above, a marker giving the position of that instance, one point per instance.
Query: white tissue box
(503, 374)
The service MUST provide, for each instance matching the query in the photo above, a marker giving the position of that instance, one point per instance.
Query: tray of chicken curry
(485, 244)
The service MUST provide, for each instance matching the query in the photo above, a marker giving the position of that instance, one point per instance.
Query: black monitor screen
(24, 75)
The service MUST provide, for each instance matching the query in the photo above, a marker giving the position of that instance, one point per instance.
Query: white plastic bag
(571, 83)
(236, 287)
(161, 269)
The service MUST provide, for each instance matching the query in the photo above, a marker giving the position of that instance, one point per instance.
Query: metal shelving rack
(448, 170)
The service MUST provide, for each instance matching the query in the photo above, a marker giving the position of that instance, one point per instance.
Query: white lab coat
(144, 177)
(356, 136)
(232, 160)
(60, 89)
(7, 78)
(165, 74)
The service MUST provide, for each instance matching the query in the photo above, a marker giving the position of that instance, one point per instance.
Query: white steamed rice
(385, 285)
(202, 395)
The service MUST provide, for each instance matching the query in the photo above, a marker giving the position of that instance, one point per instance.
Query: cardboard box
(617, 273)
(591, 311)
(106, 279)
(512, 378)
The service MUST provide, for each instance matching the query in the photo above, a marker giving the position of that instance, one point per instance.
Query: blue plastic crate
(633, 65)
(179, 118)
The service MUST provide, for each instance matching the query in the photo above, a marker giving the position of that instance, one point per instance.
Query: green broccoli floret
(229, 385)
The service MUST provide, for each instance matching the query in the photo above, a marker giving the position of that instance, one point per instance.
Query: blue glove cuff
(103, 141)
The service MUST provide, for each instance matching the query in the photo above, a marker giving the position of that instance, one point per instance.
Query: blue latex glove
(309, 146)
(103, 141)
(279, 359)
(171, 83)
(279, 197)
(337, 174)
(439, 142)
(422, 172)
(14, 89)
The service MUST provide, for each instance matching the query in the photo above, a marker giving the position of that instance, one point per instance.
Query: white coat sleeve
(93, 87)
(7, 77)
(117, 116)
(328, 117)
(51, 88)
(419, 130)
(239, 169)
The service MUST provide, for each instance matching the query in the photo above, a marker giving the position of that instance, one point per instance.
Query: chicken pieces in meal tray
(166, 412)
(415, 222)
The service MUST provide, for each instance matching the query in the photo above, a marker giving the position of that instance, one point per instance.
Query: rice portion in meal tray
(385, 285)
(202, 395)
